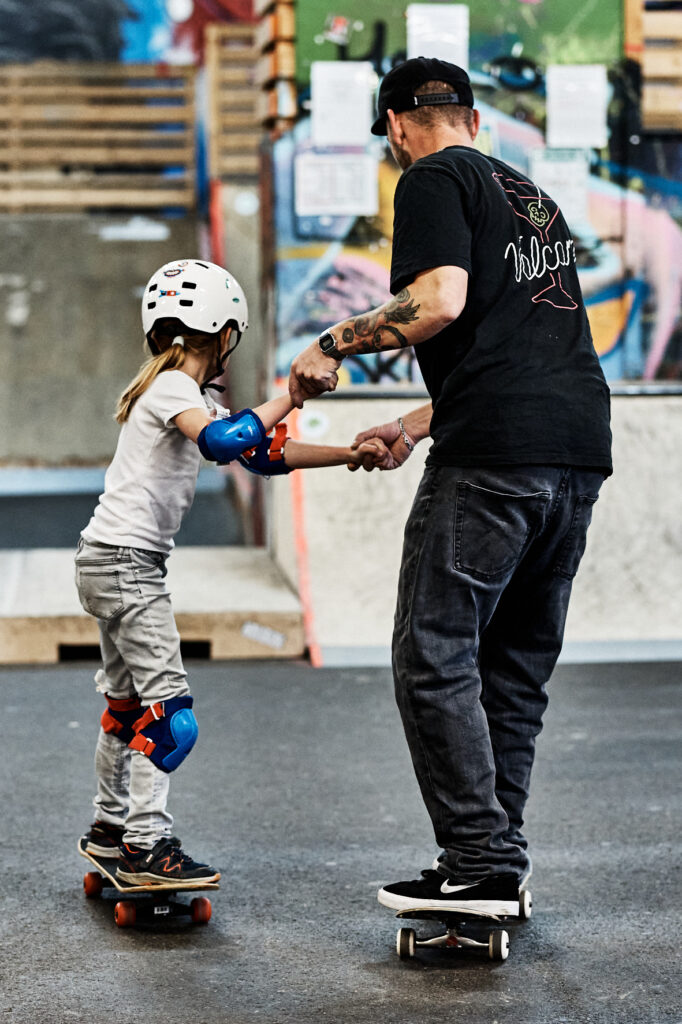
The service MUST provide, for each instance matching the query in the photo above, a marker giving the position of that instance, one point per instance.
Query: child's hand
(369, 454)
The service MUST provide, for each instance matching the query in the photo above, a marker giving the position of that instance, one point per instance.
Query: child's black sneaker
(496, 894)
(104, 840)
(165, 862)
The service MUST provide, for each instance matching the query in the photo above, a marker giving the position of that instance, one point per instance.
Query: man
(485, 286)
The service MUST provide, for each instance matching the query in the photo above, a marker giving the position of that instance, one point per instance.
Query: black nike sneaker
(165, 862)
(496, 894)
(103, 839)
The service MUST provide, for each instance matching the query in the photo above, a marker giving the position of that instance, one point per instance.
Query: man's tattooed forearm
(375, 335)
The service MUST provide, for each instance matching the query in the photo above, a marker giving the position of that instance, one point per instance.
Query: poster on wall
(439, 30)
(341, 94)
(577, 101)
(336, 184)
(564, 175)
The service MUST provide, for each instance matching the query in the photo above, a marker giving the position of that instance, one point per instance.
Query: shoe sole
(495, 908)
(147, 878)
(107, 852)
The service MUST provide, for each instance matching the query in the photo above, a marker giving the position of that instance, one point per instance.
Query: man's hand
(367, 454)
(394, 452)
(312, 373)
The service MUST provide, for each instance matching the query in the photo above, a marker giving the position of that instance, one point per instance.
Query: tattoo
(405, 314)
(372, 332)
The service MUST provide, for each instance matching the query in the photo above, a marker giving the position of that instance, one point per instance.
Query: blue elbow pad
(267, 458)
(223, 440)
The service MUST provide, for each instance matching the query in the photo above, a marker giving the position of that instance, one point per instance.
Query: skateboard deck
(456, 922)
(154, 900)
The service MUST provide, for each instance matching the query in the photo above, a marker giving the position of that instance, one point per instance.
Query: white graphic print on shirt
(538, 256)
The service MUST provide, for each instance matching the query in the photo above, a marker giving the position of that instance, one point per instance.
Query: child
(193, 315)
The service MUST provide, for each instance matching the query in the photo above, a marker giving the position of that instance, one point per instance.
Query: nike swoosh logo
(445, 888)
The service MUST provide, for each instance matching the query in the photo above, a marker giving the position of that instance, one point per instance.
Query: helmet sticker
(173, 272)
(171, 294)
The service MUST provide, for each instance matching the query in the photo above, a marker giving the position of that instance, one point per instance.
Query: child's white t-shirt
(151, 481)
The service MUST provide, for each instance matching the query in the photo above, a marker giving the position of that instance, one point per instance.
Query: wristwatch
(327, 343)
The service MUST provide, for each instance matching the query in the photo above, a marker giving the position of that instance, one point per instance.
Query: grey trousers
(125, 590)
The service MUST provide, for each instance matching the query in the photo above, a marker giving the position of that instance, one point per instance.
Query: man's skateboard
(155, 900)
(456, 922)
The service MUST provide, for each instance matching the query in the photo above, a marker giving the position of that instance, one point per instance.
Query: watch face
(327, 342)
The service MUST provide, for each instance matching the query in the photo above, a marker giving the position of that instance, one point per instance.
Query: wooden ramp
(232, 600)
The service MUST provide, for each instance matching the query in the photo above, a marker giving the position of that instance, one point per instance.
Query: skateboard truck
(496, 946)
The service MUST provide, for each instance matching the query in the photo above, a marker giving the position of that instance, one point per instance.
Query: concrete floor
(301, 791)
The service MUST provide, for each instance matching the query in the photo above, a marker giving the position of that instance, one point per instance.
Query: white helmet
(202, 295)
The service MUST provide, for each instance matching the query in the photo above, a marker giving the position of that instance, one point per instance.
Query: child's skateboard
(455, 922)
(158, 903)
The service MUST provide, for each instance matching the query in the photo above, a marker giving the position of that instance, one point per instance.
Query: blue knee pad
(166, 732)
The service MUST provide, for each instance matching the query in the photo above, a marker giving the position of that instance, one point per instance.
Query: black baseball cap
(397, 89)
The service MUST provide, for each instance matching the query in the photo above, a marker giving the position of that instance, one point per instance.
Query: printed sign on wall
(439, 30)
(577, 98)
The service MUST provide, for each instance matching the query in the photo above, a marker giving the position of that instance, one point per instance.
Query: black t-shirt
(515, 379)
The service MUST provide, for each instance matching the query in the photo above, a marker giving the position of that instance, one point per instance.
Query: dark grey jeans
(488, 563)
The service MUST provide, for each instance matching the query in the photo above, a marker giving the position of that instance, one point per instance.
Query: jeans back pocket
(99, 590)
(573, 546)
(492, 529)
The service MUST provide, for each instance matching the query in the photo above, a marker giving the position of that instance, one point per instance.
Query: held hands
(390, 448)
(312, 373)
(367, 454)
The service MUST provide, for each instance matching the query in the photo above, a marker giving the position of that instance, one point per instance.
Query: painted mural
(112, 30)
(629, 246)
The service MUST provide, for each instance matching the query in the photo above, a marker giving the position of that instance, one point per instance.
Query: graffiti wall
(111, 30)
(628, 237)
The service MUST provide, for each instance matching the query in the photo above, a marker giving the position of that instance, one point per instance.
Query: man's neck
(433, 141)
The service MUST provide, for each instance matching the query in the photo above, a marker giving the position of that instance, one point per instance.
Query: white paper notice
(336, 184)
(342, 99)
(577, 99)
(564, 175)
(439, 30)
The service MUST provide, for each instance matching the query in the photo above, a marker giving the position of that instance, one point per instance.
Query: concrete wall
(628, 590)
(70, 329)
(248, 369)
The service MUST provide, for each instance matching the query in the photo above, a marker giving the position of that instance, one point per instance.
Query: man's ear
(476, 123)
(396, 127)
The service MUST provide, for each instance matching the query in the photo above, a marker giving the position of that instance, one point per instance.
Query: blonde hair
(171, 357)
(451, 114)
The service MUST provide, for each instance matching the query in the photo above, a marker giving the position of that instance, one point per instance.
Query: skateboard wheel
(201, 910)
(525, 904)
(93, 883)
(125, 914)
(405, 943)
(498, 945)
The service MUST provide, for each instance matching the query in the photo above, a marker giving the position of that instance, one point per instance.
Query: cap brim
(379, 126)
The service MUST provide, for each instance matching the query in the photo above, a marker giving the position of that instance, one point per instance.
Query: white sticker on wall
(336, 184)
(313, 424)
(264, 635)
(342, 100)
(577, 101)
(439, 30)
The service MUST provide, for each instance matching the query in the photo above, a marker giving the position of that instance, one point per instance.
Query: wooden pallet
(234, 130)
(248, 612)
(276, 71)
(91, 135)
(661, 57)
